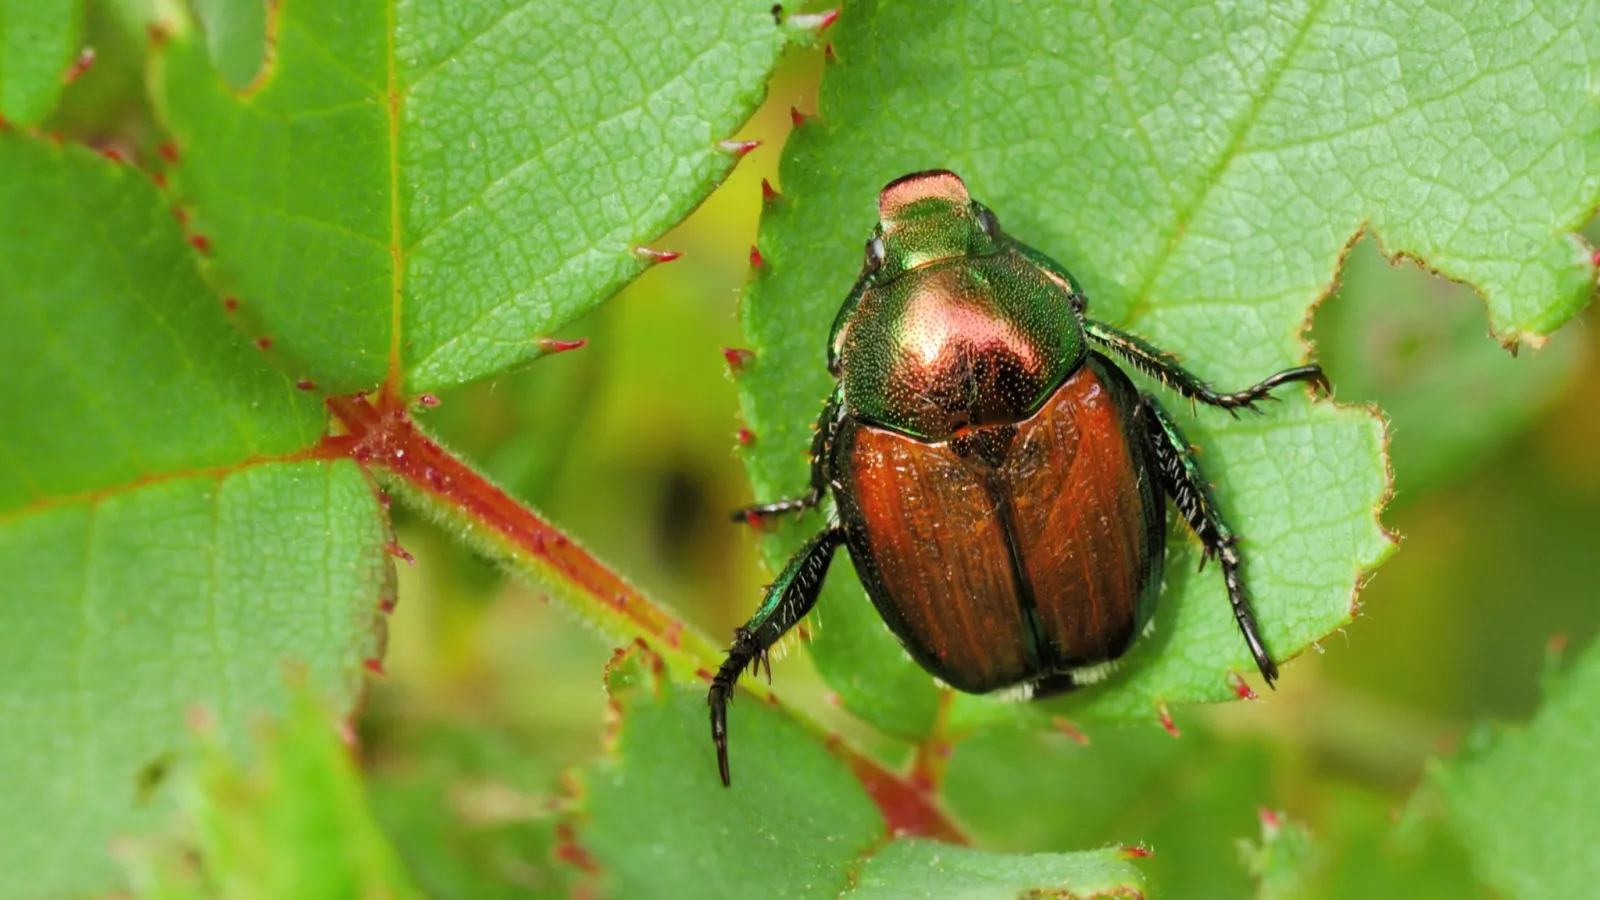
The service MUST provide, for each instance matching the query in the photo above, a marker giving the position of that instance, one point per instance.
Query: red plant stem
(382, 435)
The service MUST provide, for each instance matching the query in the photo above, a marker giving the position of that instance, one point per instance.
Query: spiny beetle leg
(1164, 367)
(1181, 478)
(787, 602)
(827, 424)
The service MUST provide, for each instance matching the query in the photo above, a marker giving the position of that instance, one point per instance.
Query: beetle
(1000, 483)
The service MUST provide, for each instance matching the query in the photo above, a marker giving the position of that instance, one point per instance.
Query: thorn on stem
(737, 148)
(656, 257)
(552, 345)
(263, 343)
(1166, 720)
(200, 242)
(305, 384)
(738, 358)
(428, 400)
(79, 66)
(756, 259)
(394, 549)
(746, 437)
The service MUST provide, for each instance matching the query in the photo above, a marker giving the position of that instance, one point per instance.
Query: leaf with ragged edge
(38, 41)
(421, 191)
(295, 823)
(169, 538)
(909, 869)
(1522, 799)
(1200, 171)
(654, 821)
(1413, 344)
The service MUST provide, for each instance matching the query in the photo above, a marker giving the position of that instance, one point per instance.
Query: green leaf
(656, 822)
(910, 869)
(1286, 859)
(1414, 344)
(169, 537)
(1201, 171)
(1522, 799)
(296, 823)
(38, 42)
(422, 190)
(660, 824)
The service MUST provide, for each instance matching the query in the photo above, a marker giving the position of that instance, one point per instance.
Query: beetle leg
(1181, 478)
(787, 602)
(827, 424)
(1164, 367)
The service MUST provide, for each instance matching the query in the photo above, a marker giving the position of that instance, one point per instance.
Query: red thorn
(384, 499)
(737, 148)
(264, 343)
(656, 257)
(231, 304)
(1166, 720)
(394, 549)
(179, 214)
(828, 54)
(768, 193)
(746, 437)
(1241, 688)
(568, 851)
(814, 21)
(1070, 730)
(756, 260)
(79, 66)
(797, 117)
(375, 666)
(1269, 819)
(168, 151)
(201, 243)
(1594, 258)
(159, 179)
(387, 605)
(112, 154)
(551, 345)
(306, 384)
(738, 358)
(1134, 853)
(428, 400)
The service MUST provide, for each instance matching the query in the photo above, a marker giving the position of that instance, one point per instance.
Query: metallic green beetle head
(927, 217)
(951, 325)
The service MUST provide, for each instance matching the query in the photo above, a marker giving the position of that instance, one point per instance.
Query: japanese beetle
(1000, 483)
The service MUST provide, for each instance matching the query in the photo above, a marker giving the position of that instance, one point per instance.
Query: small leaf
(296, 823)
(168, 535)
(910, 869)
(1201, 170)
(423, 190)
(659, 823)
(1523, 798)
(1285, 861)
(38, 43)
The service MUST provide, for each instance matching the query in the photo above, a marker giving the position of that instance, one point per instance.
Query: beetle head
(926, 217)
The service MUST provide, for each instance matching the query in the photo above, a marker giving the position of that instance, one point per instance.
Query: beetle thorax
(957, 345)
